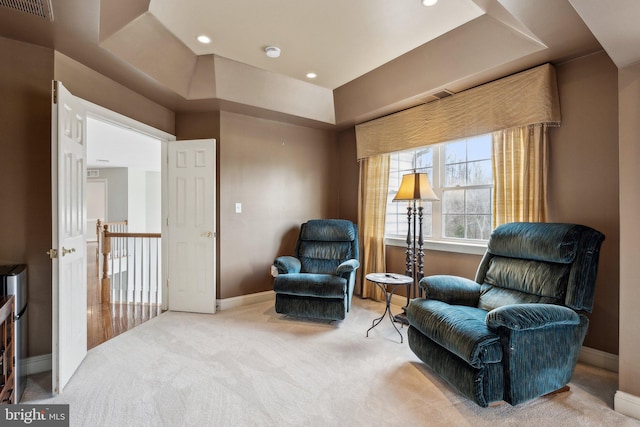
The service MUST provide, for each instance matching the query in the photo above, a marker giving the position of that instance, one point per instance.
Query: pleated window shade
(526, 98)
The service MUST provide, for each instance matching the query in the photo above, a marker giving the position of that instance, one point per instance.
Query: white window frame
(437, 242)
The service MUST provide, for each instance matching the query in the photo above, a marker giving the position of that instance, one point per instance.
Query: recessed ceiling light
(429, 2)
(203, 39)
(311, 75)
(272, 51)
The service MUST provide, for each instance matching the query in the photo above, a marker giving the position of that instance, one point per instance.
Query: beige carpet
(251, 367)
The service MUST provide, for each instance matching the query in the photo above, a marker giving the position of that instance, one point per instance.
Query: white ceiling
(113, 146)
(343, 39)
(339, 40)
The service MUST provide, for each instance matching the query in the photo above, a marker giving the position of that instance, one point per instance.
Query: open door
(191, 225)
(69, 277)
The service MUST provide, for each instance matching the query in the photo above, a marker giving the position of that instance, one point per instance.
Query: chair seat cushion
(460, 329)
(311, 285)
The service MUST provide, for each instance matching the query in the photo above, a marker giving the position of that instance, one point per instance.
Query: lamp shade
(415, 186)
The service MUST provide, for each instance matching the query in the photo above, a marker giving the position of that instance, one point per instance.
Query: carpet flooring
(250, 366)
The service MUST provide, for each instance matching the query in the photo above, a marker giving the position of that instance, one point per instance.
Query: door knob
(67, 251)
(207, 234)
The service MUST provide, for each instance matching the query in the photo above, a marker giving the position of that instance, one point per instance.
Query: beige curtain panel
(526, 98)
(520, 166)
(372, 207)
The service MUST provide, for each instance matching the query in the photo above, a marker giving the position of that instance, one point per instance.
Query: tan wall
(25, 176)
(629, 105)
(92, 86)
(198, 125)
(348, 175)
(283, 175)
(583, 177)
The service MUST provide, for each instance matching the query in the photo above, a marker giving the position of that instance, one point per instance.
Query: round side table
(388, 282)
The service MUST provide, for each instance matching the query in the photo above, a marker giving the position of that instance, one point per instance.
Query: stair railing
(131, 267)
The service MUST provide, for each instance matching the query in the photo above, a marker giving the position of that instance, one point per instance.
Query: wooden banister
(142, 235)
(105, 282)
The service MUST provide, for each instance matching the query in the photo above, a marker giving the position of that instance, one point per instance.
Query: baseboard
(227, 303)
(627, 404)
(599, 359)
(37, 364)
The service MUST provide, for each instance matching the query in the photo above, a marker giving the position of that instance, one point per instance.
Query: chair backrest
(540, 263)
(323, 244)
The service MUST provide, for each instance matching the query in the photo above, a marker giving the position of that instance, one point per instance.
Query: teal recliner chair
(318, 281)
(515, 332)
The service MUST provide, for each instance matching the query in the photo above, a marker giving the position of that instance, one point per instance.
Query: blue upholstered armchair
(514, 333)
(318, 281)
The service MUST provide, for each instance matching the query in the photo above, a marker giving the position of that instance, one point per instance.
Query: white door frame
(103, 114)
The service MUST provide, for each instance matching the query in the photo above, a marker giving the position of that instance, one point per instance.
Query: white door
(191, 228)
(69, 279)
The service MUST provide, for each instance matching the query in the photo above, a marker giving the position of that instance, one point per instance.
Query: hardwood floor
(105, 321)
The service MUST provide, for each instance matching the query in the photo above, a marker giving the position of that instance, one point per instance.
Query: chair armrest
(451, 289)
(523, 317)
(347, 267)
(287, 265)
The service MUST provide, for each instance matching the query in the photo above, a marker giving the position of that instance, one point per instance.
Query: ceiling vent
(40, 8)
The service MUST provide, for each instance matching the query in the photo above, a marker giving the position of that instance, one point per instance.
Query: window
(402, 163)
(461, 175)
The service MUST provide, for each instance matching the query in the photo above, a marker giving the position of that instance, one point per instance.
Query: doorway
(124, 194)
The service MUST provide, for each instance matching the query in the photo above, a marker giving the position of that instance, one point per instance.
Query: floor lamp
(414, 188)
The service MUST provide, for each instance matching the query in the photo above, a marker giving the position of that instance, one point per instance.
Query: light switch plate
(238, 207)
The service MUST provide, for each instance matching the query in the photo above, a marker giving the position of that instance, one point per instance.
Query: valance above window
(526, 98)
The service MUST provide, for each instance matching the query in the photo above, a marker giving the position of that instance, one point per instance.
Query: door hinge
(54, 91)
(53, 253)
(167, 283)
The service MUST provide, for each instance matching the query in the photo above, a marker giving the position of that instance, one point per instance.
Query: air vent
(93, 173)
(443, 94)
(40, 8)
